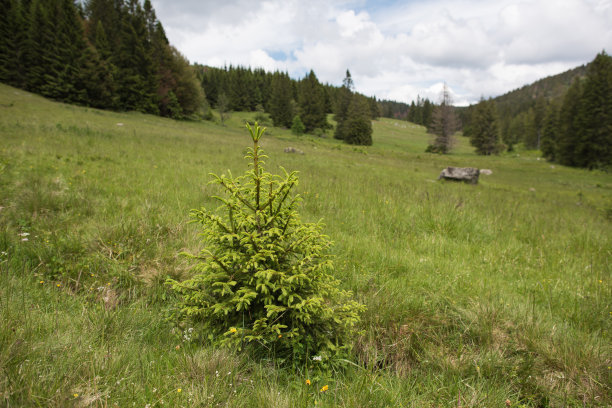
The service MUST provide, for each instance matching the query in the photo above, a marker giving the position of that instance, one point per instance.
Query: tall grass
(475, 294)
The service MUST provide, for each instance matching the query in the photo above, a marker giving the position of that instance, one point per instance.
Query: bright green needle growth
(264, 278)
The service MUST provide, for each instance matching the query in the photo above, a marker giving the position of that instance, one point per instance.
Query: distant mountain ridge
(551, 87)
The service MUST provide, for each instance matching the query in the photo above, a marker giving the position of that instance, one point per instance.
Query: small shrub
(264, 278)
(297, 127)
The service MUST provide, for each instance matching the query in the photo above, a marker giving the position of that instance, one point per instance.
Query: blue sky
(396, 49)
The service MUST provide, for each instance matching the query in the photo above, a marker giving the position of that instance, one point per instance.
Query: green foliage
(297, 127)
(500, 288)
(111, 54)
(550, 129)
(343, 102)
(443, 125)
(358, 123)
(281, 110)
(484, 131)
(421, 112)
(595, 115)
(311, 98)
(264, 278)
(569, 126)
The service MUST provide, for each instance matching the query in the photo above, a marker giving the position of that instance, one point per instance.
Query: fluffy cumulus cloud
(396, 50)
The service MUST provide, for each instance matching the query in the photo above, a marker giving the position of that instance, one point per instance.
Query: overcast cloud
(395, 49)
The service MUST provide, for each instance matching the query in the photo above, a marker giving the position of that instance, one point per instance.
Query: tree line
(571, 127)
(289, 102)
(114, 54)
(110, 54)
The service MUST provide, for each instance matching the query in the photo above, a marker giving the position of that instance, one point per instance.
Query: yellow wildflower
(179, 390)
(42, 282)
(324, 388)
(280, 335)
(233, 330)
(75, 395)
(58, 285)
(307, 382)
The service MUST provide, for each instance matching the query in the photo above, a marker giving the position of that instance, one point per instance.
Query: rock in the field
(293, 150)
(466, 174)
(486, 172)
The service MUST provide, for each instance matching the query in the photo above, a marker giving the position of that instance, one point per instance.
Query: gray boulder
(465, 174)
(293, 150)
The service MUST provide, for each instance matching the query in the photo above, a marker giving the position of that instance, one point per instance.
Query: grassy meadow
(475, 294)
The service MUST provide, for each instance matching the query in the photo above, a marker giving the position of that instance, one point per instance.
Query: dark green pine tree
(38, 46)
(312, 103)
(513, 133)
(237, 91)
(539, 113)
(484, 131)
(374, 108)
(529, 128)
(96, 78)
(569, 125)
(550, 131)
(99, 72)
(428, 108)
(64, 63)
(281, 96)
(108, 12)
(412, 112)
(443, 124)
(344, 98)
(136, 77)
(358, 123)
(13, 35)
(595, 115)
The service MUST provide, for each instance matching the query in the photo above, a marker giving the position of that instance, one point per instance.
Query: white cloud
(478, 47)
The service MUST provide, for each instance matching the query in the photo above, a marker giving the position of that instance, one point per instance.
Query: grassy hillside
(475, 294)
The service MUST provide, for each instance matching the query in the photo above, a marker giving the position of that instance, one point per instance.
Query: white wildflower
(317, 358)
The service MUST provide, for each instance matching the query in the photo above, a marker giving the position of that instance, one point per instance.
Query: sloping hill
(552, 87)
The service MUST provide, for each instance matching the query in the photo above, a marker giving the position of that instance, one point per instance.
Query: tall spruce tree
(443, 124)
(358, 123)
(13, 35)
(569, 126)
(280, 100)
(312, 103)
(595, 115)
(550, 131)
(484, 131)
(344, 98)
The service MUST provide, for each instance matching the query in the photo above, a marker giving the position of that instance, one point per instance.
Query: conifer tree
(13, 34)
(529, 129)
(595, 115)
(427, 114)
(39, 46)
(550, 130)
(264, 279)
(312, 103)
(280, 100)
(569, 126)
(514, 132)
(358, 124)
(443, 124)
(484, 131)
(344, 98)
(374, 108)
(297, 127)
